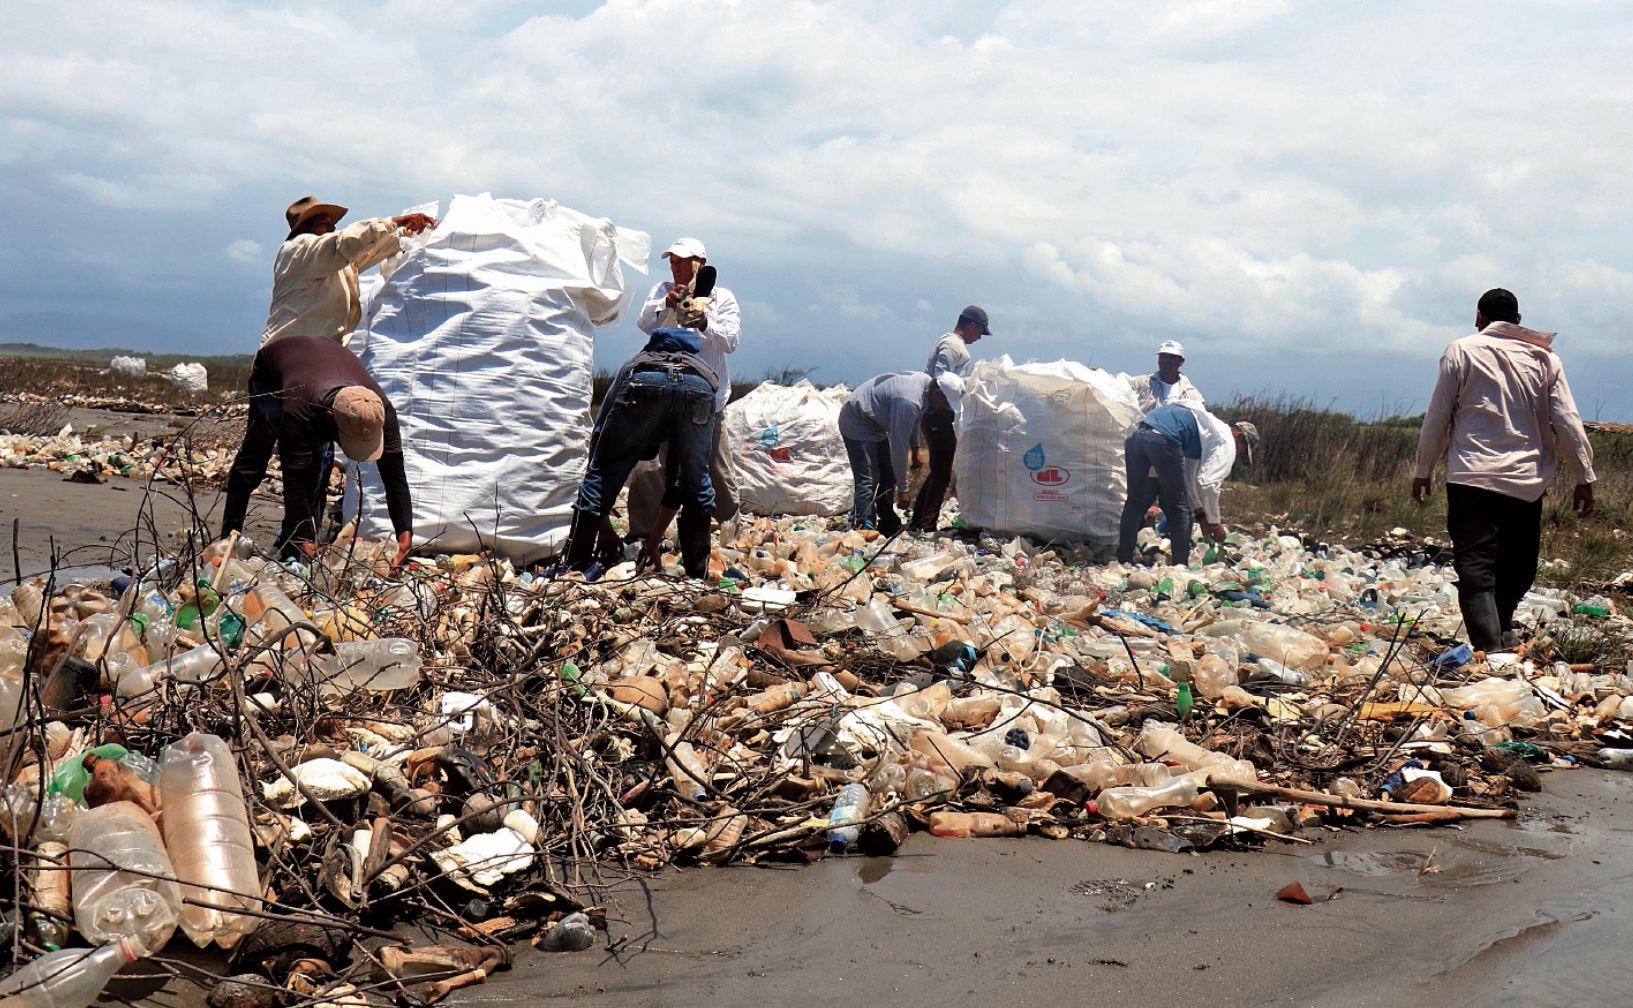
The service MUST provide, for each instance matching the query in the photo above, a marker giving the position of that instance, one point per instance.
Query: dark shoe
(692, 532)
(1481, 620)
(578, 554)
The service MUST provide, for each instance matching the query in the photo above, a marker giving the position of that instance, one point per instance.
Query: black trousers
(941, 438)
(249, 469)
(1495, 541)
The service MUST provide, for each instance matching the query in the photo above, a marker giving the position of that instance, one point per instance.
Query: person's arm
(722, 322)
(652, 309)
(1572, 439)
(399, 502)
(352, 244)
(1437, 423)
(904, 423)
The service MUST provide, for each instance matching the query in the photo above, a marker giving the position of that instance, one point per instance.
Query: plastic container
(573, 933)
(686, 770)
(1616, 759)
(975, 824)
(845, 821)
(70, 978)
(1212, 676)
(108, 845)
(1129, 802)
(207, 835)
(391, 663)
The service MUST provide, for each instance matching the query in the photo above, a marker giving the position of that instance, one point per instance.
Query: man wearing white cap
(1166, 384)
(316, 393)
(877, 423)
(718, 330)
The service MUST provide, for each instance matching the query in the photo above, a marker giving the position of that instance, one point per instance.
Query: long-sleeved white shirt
(951, 353)
(1501, 413)
(720, 336)
(887, 407)
(1152, 391)
(314, 280)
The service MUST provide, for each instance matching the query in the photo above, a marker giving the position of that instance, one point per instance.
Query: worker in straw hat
(309, 392)
(314, 277)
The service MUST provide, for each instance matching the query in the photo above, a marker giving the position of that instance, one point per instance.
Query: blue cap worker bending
(1192, 452)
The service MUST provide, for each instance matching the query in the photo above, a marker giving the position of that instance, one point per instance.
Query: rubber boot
(692, 530)
(579, 554)
(1481, 620)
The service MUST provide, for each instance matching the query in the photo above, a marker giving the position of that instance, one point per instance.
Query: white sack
(789, 456)
(1040, 450)
(128, 367)
(481, 335)
(189, 377)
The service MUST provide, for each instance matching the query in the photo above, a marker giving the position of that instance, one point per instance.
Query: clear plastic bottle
(1616, 759)
(70, 978)
(207, 834)
(390, 663)
(1129, 802)
(573, 933)
(845, 821)
(1213, 675)
(195, 665)
(686, 770)
(108, 845)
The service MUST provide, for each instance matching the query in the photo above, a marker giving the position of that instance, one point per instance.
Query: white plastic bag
(128, 367)
(189, 377)
(789, 456)
(481, 335)
(1040, 450)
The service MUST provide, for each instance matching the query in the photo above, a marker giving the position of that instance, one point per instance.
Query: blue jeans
(654, 406)
(873, 482)
(1148, 449)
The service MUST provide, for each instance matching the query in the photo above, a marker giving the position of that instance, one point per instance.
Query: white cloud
(243, 251)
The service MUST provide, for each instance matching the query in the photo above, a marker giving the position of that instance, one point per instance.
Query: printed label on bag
(1033, 459)
(1052, 476)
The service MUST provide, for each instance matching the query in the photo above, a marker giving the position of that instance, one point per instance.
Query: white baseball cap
(1172, 346)
(952, 386)
(686, 248)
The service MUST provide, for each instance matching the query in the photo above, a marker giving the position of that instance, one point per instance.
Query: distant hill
(155, 361)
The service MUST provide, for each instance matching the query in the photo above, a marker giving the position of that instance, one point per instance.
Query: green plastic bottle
(571, 674)
(1184, 702)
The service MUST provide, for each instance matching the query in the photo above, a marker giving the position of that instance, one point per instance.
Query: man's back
(1501, 404)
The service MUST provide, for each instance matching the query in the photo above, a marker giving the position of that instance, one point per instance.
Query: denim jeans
(873, 481)
(654, 406)
(940, 430)
(1147, 449)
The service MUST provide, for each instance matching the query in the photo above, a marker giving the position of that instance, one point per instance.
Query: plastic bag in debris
(481, 335)
(1040, 450)
(189, 377)
(790, 458)
(128, 367)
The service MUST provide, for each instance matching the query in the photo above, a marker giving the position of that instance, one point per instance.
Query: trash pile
(169, 459)
(289, 762)
(128, 404)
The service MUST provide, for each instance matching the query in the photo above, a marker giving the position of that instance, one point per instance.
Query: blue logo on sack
(1033, 459)
(770, 437)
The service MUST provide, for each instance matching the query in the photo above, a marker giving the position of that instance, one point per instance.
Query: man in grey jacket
(878, 422)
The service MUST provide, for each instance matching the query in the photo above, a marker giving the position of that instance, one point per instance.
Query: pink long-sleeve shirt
(1502, 414)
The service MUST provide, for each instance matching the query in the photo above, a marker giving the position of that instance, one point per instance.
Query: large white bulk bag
(481, 335)
(193, 378)
(128, 367)
(1040, 450)
(789, 456)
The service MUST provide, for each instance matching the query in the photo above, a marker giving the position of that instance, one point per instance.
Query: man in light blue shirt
(1165, 439)
(940, 434)
(878, 422)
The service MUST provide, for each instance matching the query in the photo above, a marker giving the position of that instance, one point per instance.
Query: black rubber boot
(580, 550)
(1481, 620)
(692, 530)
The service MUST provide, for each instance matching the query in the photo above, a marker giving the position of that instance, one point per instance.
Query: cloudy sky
(1311, 194)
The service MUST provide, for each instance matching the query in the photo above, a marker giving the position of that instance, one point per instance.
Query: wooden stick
(1443, 813)
(221, 572)
(916, 611)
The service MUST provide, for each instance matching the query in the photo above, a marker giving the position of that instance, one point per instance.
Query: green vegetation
(1337, 477)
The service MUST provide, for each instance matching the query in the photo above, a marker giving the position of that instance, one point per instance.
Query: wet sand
(1509, 913)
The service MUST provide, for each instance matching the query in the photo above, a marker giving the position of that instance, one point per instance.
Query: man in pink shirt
(1501, 415)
